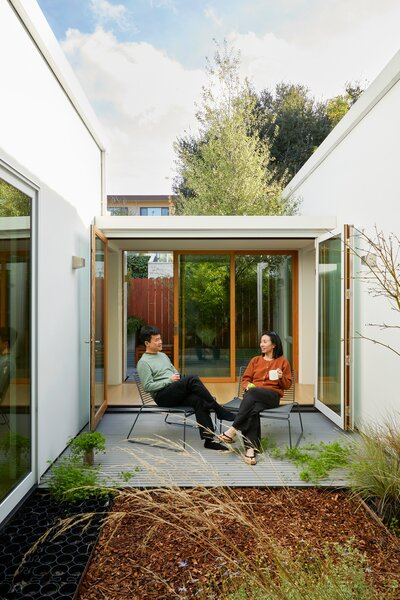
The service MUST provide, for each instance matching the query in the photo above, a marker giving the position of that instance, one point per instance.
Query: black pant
(190, 391)
(248, 418)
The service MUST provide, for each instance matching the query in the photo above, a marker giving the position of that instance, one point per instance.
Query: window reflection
(15, 282)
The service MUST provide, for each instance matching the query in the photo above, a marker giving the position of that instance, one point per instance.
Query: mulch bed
(142, 555)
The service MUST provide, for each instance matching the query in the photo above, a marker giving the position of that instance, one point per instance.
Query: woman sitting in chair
(264, 381)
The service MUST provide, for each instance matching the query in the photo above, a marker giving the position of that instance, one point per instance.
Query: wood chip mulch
(165, 545)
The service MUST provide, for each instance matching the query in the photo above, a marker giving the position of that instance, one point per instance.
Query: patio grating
(196, 466)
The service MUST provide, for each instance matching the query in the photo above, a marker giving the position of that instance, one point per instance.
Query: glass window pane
(329, 324)
(263, 301)
(15, 342)
(204, 306)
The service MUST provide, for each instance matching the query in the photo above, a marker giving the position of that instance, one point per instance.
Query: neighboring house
(144, 206)
(232, 276)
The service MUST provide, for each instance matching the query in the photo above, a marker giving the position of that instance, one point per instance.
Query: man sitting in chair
(159, 377)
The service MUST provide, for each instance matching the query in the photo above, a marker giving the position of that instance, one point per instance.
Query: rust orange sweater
(257, 373)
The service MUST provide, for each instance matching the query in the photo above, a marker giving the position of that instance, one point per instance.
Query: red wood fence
(153, 301)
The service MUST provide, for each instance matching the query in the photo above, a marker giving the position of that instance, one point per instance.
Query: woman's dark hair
(146, 332)
(276, 340)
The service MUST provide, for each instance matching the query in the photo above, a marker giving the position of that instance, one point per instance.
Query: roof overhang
(210, 227)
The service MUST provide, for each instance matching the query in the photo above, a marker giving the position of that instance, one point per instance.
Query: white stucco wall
(355, 175)
(46, 139)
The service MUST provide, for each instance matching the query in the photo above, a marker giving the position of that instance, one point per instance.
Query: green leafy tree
(338, 106)
(226, 169)
(294, 123)
(13, 202)
(290, 123)
(137, 265)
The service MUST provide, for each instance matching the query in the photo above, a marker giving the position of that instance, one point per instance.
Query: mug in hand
(273, 375)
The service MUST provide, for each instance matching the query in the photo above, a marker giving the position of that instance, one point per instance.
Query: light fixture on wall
(369, 259)
(78, 262)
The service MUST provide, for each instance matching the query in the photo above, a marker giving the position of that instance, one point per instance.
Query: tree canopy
(226, 169)
(250, 144)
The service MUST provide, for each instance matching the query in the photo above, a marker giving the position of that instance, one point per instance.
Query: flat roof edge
(379, 87)
(215, 227)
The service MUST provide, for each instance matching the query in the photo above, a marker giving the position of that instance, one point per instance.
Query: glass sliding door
(205, 315)
(16, 415)
(99, 327)
(330, 357)
(264, 291)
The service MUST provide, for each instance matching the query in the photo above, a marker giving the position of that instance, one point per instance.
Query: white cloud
(211, 14)
(342, 41)
(144, 100)
(105, 12)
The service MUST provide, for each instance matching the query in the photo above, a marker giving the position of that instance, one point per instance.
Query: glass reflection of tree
(206, 296)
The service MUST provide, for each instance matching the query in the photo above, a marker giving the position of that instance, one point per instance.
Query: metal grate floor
(196, 466)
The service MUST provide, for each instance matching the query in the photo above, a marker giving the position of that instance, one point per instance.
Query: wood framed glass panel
(205, 315)
(98, 395)
(330, 327)
(222, 302)
(264, 301)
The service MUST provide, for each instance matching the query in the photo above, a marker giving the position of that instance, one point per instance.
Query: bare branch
(364, 337)
(383, 326)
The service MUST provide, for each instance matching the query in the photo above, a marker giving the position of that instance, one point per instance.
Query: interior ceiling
(140, 245)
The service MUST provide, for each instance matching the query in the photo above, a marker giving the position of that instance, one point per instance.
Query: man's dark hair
(147, 331)
(276, 340)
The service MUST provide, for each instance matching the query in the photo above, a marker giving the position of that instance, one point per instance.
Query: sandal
(226, 438)
(250, 460)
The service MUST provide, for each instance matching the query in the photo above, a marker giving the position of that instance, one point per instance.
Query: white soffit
(216, 228)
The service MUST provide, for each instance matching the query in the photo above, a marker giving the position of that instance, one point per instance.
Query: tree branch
(363, 337)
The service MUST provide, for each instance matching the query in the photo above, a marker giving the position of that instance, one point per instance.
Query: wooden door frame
(233, 253)
(95, 417)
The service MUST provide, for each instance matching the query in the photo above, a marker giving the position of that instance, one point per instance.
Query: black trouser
(248, 418)
(190, 391)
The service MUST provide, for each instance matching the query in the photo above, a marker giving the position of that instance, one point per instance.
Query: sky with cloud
(141, 63)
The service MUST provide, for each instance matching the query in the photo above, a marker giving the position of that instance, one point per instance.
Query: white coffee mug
(273, 375)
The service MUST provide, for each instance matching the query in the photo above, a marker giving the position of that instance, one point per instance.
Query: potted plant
(133, 324)
(86, 445)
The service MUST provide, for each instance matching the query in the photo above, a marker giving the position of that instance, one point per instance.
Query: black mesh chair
(148, 406)
(282, 413)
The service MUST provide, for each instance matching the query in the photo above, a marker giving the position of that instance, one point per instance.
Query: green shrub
(86, 445)
(74, 482)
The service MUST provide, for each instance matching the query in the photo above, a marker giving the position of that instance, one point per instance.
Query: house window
(118, 211)
(15, 337)
(154, 211)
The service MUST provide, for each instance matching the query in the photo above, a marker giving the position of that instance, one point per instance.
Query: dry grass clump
(374, 472)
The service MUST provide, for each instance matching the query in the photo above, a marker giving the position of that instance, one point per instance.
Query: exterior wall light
(78, 262)
(369, 259)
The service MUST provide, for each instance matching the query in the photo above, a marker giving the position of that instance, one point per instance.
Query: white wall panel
(46, 140)
(357, 179)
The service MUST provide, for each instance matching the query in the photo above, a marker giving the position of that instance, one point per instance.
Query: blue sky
(141, 63)
(184, 29)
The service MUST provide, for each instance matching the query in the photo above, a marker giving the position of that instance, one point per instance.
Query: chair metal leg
(290, 433)
(134, 422)
(177, 422)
